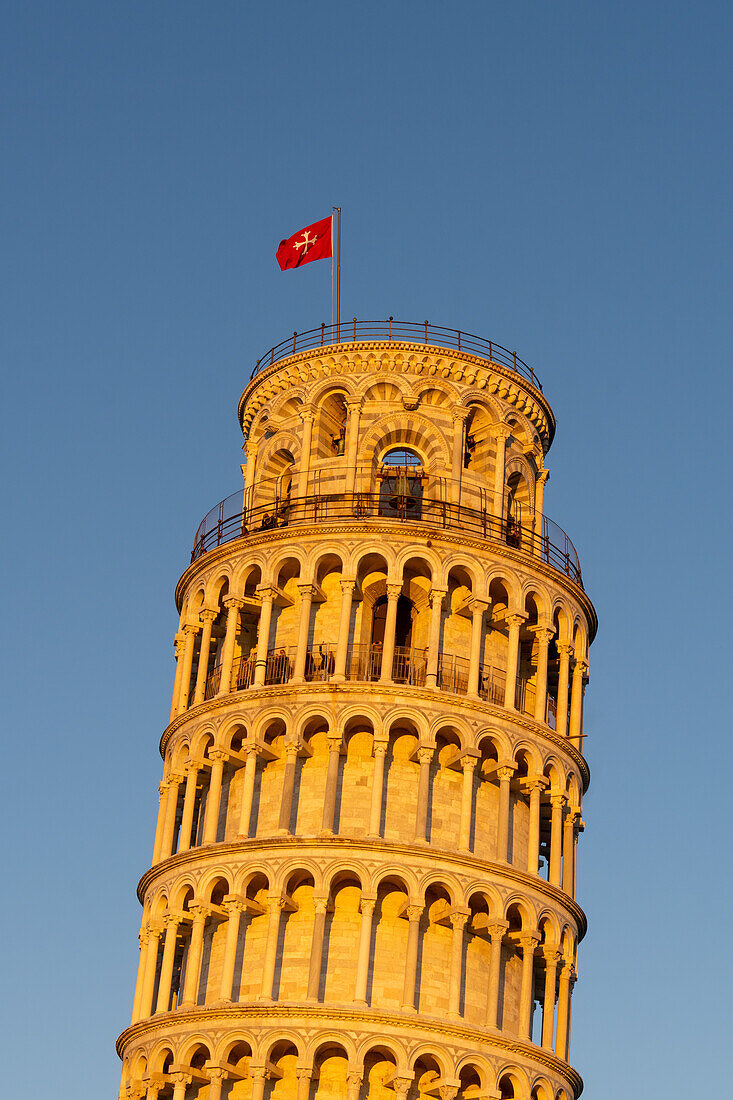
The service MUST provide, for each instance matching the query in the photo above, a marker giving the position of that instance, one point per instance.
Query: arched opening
(401, 476)
(403, 626)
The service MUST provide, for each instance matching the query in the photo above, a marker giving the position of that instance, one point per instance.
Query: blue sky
(553, 176)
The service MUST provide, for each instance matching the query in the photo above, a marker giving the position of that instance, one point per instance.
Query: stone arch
(438, 878)
(511, 1082)
(411, 430)
(457, 725)
(404, 876)
(406, 714)
(471, 566)
(489, 892)
(428, 1051)
(299, 865)
(316, 393)
(271, 1044)
(331, 1039)
(524, 908)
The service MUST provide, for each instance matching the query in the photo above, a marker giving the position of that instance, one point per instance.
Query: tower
(364, 872)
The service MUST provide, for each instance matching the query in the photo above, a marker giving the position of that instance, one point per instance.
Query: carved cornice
(276, 1014)
(459, 366)
(500, 872)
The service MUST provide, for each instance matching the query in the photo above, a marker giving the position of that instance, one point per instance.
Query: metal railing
(413, 332)
(364, 664)
(228, 521)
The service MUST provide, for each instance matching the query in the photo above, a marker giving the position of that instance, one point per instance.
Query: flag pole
(338, 270)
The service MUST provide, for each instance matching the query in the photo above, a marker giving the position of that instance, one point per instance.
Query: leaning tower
(364, 872)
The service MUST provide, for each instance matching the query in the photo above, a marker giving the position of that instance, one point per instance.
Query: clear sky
(554, 176)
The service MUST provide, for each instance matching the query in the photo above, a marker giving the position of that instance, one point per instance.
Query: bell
(402, 497)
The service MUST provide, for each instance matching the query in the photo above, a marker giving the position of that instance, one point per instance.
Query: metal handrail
(229, 521)
(364, 664)
(413, 332)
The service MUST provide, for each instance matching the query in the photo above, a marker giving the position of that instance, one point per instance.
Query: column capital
(348, 584)
(448, 1091)
(565, 649)
(558, 799)
(497, 928)
(182, 1078)
(321, 905)
(543, 476)
(459, 917)
(304, 1072)
(413, 912)
(173, 779)
(307, 588)
(354, 1078)
(215, 755)
(551, 954)
(468, 761)
(199, 911)
(353, 402)
(401, 1086)
(501, 430)
(461, 414)
(208, 614)
(581, 666)
(233, 602)
(515, 619)
(394, 590)
(234, 904)
(542, 632)
(506, 771)
(380, 746)
(479, 603)
(437, 594)
(335, 742)
(424, 754)
(528, 941)
(265, 592)
(191, 628)
(367, 904)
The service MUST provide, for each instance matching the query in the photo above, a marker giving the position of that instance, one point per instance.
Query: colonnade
(547, 968)
(435, 1071)
(565, 819)
(572, 674)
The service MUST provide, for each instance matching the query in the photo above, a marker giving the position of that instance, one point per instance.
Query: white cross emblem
(307, 242)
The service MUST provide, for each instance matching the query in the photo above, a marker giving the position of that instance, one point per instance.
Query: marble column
(362, 960)
(233, 605)
(207, 617)
(414, 912)
(342, 645)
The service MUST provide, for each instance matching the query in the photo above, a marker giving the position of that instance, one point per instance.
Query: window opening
(401, 477)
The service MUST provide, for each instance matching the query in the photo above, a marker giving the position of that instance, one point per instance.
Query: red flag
(312, 243)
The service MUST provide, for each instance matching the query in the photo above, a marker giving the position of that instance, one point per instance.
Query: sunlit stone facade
(364, 871)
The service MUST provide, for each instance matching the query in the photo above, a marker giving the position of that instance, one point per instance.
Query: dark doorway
(403, 626)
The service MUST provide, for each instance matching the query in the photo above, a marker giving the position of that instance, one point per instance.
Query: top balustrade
(411, 332)
(229, 520)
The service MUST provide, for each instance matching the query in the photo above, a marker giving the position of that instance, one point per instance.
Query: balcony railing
(229, 521)
(364, 663)
(412, 332)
